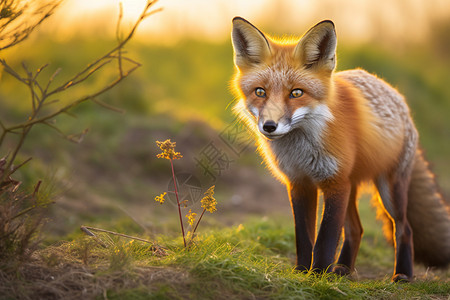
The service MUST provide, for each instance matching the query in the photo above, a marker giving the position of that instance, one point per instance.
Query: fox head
(284, 85)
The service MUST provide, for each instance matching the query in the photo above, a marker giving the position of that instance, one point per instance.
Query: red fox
(334, 131)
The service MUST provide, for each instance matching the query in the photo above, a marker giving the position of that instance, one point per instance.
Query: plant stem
(178, 202)
(196, 225)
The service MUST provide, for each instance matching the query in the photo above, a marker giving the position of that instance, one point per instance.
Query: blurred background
(181, 92)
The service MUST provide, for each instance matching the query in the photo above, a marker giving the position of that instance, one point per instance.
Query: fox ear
(250, 45)
(317, 48)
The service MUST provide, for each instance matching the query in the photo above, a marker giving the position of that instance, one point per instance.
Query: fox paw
(401, 278)
(341, 270)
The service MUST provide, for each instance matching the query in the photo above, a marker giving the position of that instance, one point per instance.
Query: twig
(118, 38)
(20, 165)
(87, 230)
(107, 106)
(71, 105)
(17, 33)
(8, 170)
(115, 233)
(51, 79)
(131, 33)
(89, 233)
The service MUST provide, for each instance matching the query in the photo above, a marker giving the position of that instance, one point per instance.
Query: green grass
(252, 260)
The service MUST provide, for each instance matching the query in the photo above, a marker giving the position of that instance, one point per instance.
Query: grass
(251, 260)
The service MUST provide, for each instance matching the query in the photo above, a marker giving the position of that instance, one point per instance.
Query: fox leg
(352, 237)
(336, 199)
(394, 195)
(303, 198)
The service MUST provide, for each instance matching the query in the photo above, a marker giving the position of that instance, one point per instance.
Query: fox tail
(428, 215)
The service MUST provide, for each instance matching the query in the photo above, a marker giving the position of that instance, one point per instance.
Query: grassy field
(245, 250)
(251, 260)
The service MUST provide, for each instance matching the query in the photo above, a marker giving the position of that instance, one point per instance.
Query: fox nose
(270, 126)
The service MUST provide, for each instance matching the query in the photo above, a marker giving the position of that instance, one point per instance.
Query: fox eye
(260, 92)
(296, 93)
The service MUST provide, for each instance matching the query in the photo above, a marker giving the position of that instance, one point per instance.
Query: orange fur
(363, 151)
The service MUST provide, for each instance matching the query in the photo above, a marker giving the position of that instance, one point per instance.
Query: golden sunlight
(199, 19)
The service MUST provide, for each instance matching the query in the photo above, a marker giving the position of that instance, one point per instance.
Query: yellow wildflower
(160, 198)
(168, 150)
(191, 217)
(209, 202)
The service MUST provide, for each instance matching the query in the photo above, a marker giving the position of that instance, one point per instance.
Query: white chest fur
(296, 156)
(301, 152)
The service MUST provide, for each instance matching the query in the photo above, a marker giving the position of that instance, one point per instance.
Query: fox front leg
(335, 206)
(303, 197)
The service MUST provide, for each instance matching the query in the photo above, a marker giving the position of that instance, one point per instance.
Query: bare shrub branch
(18, 18)
(41, 95)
